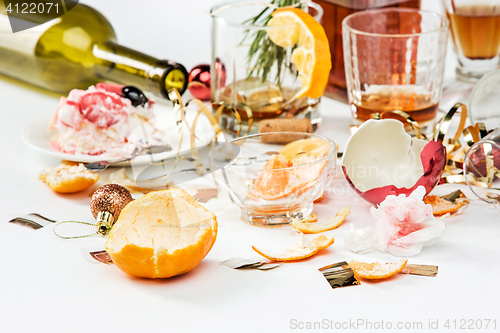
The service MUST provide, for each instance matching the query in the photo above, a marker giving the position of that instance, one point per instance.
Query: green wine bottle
(79, 49)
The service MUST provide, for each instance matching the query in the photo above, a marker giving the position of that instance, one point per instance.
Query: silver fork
(102, 165)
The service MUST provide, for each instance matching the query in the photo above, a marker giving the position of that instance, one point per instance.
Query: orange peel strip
(375, 271)
(298, 251)
(442, 206)
(314, 228)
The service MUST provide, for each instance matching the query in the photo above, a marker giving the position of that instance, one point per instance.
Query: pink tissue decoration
(405, 224)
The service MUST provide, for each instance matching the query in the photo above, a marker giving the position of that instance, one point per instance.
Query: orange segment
(312, 56)
(377, 270)
(162, 234)
(68, 177)
(304, 249)
(331, 223)
(271, 182)
(277, 182)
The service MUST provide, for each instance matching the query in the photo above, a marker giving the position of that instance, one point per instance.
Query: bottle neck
(126, 66)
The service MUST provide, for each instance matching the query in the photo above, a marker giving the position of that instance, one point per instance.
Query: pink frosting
(95, 105)
(103, 108)
(93, 121)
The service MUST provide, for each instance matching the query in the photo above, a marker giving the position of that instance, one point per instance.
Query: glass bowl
(272, 189)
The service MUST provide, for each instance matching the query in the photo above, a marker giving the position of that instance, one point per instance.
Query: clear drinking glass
(475, 28)
(334, 12)
(481, 167)
(273, 196)
(394, 60)
(259, 76)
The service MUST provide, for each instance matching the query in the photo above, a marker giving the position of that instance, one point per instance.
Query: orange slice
(442, 206)
(304, 249)
(312, 56)
(331, 223)
(377, 270)
(162, 234)
(68, 177)
(317, 147)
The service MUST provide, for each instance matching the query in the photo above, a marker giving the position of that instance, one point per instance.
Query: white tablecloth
(47, 285)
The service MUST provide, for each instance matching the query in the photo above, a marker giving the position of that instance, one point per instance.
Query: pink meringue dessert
(101, 121)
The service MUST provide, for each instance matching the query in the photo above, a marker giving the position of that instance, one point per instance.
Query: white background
(46, 285)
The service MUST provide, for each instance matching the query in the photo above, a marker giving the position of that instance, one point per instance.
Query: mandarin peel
(68, 177)
(330, 224)
(377, 271)
(304, 249)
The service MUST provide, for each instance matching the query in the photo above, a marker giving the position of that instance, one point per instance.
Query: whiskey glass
(475, 29)
(394, 60)
(334, 12)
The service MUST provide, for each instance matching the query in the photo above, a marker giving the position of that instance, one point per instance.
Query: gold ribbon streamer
(443, 124)
(455, 151)
(414, 125)
(180, 110)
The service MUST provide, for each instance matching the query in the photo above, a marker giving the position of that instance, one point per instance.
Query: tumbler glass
(334, 12)
(475, 28)
(394, 60)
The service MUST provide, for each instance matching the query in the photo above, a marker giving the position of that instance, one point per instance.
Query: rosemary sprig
(263, 53)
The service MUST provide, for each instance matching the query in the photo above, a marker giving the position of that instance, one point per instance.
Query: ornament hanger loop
(73, 237)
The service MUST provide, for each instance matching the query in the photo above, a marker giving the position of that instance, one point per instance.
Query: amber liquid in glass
(477, 36)
(416, 103)
(332, 22)
(265, 100)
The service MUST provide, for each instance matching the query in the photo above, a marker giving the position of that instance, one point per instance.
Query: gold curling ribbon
(455, 152)
(414, 125)
(443, 124)
(180, 110)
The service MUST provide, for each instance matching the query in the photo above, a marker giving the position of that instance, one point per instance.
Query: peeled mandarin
(162, 234)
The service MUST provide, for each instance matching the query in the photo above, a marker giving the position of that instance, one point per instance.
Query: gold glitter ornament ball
(111, 198)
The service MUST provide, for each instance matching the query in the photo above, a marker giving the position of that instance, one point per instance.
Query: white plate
(36, 136)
